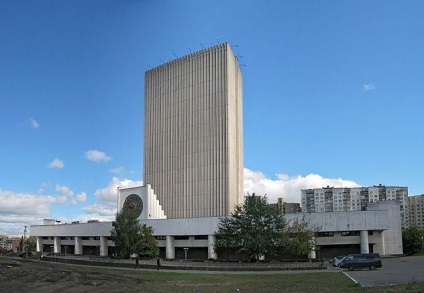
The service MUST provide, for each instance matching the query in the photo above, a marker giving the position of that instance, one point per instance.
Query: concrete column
(312, 253)
(103, 246)
(379, 246)
(211, 247)
(56, 245)
(364, 241)
(39, 244)
(383, 243)
(78, 245)
(170, 248)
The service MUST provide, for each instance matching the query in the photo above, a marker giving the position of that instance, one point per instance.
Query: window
(181, 237)
(325, 234)
(201, 237)
(350, 233)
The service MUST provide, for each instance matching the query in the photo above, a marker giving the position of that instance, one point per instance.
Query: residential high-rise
(416, 210)
(193, 133)
(331, 199)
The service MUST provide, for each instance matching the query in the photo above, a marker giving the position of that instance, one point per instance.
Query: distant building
(5, 243)
(9, 243)
(286, 207)
(416, 210)
(333, 199)
(16, 241)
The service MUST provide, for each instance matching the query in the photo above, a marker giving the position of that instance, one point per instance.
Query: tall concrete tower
(193, 133)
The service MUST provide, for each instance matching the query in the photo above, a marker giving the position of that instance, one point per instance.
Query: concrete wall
(381, 218)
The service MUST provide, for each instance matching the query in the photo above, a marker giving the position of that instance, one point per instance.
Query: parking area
(395, 270)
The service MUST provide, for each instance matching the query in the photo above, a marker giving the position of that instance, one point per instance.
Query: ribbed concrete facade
(193, 134)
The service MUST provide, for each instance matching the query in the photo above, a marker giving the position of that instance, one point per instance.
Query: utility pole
(24, 247)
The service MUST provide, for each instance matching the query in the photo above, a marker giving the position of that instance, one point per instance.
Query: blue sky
(333, 94)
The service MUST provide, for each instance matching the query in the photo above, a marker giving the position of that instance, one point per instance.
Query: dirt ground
(21, 275)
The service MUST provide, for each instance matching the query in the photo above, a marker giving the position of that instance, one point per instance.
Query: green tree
(131, 237)
(146, 245)
(412, 240)
(31, 242)
(253, 229)
(226, 240)
(297, 239)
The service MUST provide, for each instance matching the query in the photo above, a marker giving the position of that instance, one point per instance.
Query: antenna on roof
(236, 46)
(217, 41)
(175, 55)
(202, 46)
(190, 50)
(149, 66)
(161, 61)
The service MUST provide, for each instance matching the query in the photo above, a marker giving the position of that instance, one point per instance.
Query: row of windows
(73, 238)
(196, 237)
(343, 233)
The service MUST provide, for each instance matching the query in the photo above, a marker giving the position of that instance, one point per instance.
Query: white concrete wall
(346, 221)
(384, 220)
(393, 236)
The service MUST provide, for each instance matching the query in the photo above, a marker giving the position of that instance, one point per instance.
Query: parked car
(361, 260)
(338, 259)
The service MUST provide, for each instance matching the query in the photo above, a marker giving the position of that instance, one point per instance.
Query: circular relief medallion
(133, 204)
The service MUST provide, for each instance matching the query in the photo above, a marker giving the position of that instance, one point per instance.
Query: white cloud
(97, 156)
(56, 163)
(289, 188)
(67, 194)
(117, 170)
(369, 87)
(108, 195)
(81, 197)
(43, 187)
(100, 210)
(23, 209)
(33, 123)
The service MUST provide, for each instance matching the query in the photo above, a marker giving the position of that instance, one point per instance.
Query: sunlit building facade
(193, 133)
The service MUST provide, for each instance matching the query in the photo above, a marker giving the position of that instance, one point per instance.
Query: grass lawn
(254, 283)
(105, 279)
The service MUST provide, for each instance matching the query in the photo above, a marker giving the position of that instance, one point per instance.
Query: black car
(361, 260)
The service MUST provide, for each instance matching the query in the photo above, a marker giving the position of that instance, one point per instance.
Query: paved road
(396, 270)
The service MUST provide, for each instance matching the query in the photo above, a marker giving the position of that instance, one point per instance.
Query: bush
(412, 240)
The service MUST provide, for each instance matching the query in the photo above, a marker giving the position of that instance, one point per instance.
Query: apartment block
(333, 199)
(416, 210)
